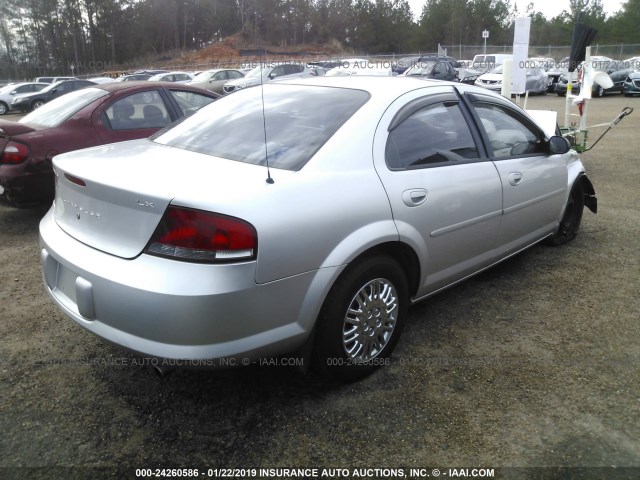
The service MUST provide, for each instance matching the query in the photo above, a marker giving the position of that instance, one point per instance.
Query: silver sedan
(306, 216)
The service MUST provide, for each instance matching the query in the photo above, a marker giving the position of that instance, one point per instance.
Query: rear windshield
(56, 111)
(296, 122)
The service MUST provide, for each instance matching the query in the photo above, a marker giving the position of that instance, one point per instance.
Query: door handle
(414, 197)
(515, 178)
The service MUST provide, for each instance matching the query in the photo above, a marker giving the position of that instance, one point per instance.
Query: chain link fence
(616, 52)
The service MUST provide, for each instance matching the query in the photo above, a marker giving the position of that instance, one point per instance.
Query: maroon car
(95, 115)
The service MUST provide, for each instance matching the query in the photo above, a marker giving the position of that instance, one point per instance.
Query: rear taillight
(195, 235)
(14, 152)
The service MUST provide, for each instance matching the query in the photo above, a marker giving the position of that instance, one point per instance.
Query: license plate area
(69, 288)
(66, 284)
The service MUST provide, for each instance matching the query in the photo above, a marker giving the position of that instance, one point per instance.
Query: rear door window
(435, 135)
(137, 111)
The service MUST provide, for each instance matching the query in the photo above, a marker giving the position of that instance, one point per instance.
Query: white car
(537, 80)
(371, 72)
(101, 80)
(361, 67)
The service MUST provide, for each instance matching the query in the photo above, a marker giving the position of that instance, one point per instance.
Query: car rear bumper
(24, 187)
(170, 309)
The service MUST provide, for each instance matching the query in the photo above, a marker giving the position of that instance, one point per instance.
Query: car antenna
(264, 119)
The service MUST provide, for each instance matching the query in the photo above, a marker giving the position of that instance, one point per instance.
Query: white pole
(506, 78)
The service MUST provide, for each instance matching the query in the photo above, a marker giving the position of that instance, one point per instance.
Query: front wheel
(37, 104)
(3, 108)
(599, 92)
(361, 319)
(570, 223)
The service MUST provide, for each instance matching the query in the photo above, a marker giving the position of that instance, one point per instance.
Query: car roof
(221, 69)
(144, 85)
(384, 88)
(19, 84)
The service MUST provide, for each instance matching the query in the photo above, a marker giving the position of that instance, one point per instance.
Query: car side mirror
(558, 145)
(14, 92)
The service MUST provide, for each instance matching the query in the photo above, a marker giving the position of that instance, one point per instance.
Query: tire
(570, 223)
(349, 346)
(599, 92)
(4, 108)
(37, 104)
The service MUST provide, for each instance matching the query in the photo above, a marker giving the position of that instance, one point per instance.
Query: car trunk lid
(113, 197)
(9, 129)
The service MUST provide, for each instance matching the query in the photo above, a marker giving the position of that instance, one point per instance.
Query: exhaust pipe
(162, 372)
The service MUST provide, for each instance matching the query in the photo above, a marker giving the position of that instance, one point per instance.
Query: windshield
(55, 112)
(51, 87)
(256, 72)
(421, 68)
(7, 88)
(339, 72)
(298, 120)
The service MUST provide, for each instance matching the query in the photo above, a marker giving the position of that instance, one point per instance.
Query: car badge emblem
(80, 210)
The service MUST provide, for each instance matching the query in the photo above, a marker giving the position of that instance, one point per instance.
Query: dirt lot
(535, 363)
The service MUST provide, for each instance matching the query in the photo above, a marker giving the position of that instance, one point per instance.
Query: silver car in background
(306, 216)
(8, 92)
(263, 73)
(215, 79)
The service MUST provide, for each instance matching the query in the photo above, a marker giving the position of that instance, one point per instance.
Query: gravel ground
(535, 363)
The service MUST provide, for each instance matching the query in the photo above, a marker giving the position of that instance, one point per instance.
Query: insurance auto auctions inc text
(350, 473)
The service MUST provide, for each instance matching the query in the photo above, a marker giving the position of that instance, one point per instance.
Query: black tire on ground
(4, 108)
(361, 319)
(572, 217)
(599, 91)
(37, 104)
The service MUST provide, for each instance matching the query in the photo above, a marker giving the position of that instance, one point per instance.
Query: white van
(489, 61)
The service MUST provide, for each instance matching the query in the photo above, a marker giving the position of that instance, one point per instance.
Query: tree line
(39, 37)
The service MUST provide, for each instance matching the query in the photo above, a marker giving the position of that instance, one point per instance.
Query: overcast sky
(550, 8)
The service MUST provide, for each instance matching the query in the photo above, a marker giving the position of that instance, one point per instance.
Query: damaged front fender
(590, 200)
